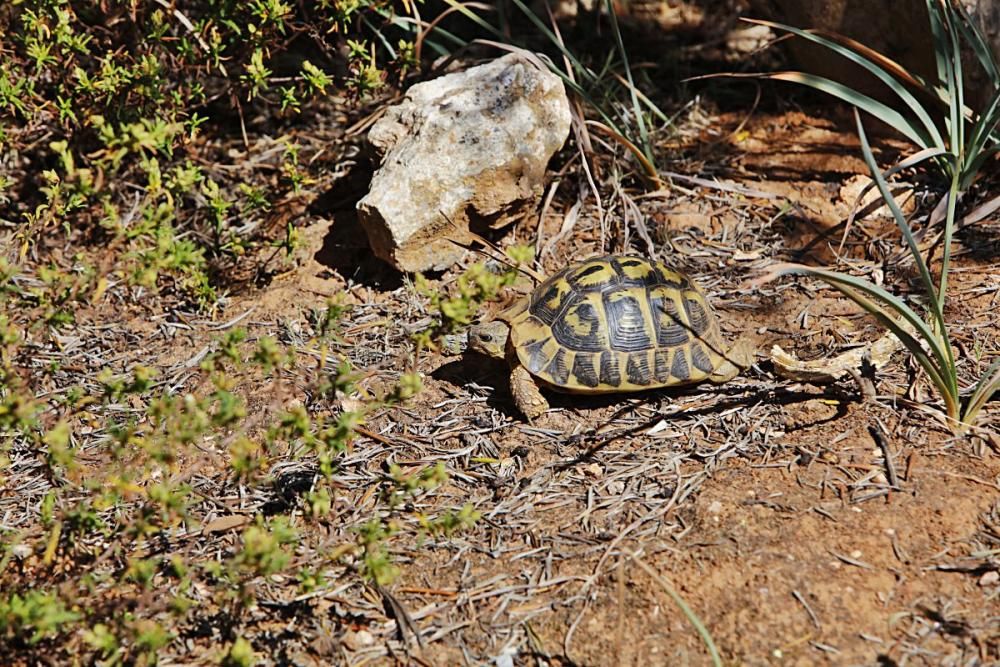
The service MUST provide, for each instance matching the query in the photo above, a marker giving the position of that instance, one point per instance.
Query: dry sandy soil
(766, 504)
(804, 524)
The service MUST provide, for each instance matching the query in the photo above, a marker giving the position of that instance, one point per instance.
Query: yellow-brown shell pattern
(617, 324)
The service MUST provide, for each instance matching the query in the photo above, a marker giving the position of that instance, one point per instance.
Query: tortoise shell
(616, 324)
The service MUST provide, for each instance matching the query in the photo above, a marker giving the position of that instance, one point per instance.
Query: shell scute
(549, 299)
(700, 358)
(628, 324)
(637, 369)
(584, 371)
(671, 329)
(581, 327)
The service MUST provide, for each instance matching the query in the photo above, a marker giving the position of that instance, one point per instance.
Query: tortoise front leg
(527, 396)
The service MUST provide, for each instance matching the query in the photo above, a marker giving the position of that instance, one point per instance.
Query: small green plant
(34, 615)
(476, 285)
(240, 654)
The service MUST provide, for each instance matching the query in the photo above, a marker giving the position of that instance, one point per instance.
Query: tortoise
(609, 324)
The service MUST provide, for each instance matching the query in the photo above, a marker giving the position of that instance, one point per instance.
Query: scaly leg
(527, 397)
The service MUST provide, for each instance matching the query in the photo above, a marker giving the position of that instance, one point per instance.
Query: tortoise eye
(486, 338)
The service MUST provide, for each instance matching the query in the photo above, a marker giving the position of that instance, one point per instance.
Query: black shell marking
(697, 317)
(637, 368)
(670, 328)
(576, 278)
(541, 308)
(609, 369)
(557, 368)
(679, 369)
(661, 365)
(536, 355)
(700, 360)
(583, 370)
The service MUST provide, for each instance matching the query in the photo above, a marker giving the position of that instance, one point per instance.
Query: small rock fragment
(871, 203)
(21, 551)
(990, 578)
(466, 150)
(357, 640)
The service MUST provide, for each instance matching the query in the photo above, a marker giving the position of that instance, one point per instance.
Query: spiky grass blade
(988, 385)
(956, 84)
(647, 149)
(940, 41)
(650, 104)
(870, 291)
(983, 141)
(578, 66)
(465, 9)
(904, 228)
(892, 313)
(942, 347)
(930, 136)
(911, 130)
(979, 45)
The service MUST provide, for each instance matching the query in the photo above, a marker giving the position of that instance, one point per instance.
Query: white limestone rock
(469, 147)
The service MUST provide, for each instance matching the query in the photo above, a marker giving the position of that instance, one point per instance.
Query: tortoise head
(490, 338)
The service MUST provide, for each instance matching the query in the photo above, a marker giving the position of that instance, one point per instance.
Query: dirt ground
(766, 504)
(804, 524)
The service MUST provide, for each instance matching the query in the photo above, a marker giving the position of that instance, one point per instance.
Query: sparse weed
(141, 496)
(34, 616)
(475, 286)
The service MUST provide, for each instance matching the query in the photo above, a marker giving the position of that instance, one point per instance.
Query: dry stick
(549, 196)
(631, 213)
(191, 29)
(879, 435)
(734, 188)
(243, 125)
(812, 616)
(851, 561)
(568, 223)
(403, 619)
(583, 143)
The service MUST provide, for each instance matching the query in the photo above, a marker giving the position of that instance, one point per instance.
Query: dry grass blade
(648, 169)
(692, 617)
(463, 8)
(879, 59)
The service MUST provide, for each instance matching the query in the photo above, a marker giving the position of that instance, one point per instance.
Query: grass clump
(956, 141)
